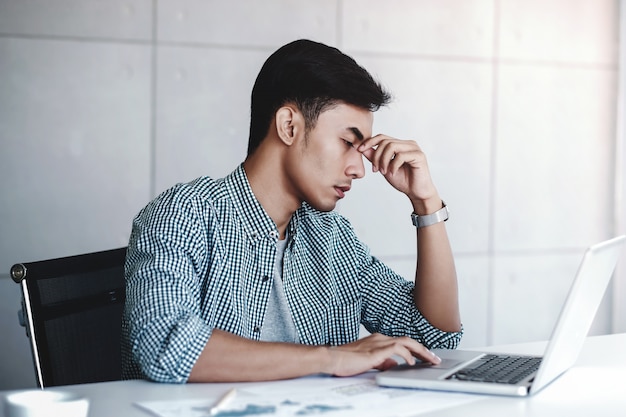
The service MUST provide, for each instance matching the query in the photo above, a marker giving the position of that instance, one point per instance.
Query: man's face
(324, 162)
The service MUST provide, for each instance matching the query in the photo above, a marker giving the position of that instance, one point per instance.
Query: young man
(254, 277)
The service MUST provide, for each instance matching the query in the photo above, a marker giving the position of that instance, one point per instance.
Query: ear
(289, 123)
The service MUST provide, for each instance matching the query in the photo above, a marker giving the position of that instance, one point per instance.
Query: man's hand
(403, 164)
(227, 357)
(375, 352)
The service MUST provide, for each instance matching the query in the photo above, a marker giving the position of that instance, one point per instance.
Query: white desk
(602, 362)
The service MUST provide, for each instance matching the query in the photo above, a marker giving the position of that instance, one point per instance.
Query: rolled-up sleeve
(388, 305)
(163, 331)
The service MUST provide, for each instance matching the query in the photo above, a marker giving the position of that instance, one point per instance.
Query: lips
(342, 190)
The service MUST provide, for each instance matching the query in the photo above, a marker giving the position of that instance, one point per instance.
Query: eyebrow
(356, 132)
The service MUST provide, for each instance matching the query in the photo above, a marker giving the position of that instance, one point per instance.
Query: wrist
(423, 207)
(326, 360)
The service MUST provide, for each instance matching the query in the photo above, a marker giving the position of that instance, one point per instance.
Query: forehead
(347, 118)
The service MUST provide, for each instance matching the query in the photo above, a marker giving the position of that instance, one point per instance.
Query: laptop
(519, 375)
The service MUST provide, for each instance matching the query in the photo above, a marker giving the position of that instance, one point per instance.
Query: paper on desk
(345, 397)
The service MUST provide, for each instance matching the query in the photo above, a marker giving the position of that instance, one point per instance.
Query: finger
(369, 149)
(388, 346)
(383, 153)
(386, 364)
(410, 154)
(400, 159)
(406, 354)
(369, 155)
(420, 351)
(429, 356)
(381, 150)
(372, 142)
(392, 154)
(405, 348)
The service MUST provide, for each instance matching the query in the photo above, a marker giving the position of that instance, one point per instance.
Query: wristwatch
(440, 215)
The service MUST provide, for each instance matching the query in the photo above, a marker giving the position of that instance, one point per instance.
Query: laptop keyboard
(498, 369)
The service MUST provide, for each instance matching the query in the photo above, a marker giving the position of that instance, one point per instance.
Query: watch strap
(439, 216)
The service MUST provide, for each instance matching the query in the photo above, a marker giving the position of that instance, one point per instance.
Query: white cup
(44, 403)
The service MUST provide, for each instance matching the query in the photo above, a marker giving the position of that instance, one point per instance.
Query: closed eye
(348, 143)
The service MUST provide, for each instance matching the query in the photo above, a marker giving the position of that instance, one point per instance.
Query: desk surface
(602, 363)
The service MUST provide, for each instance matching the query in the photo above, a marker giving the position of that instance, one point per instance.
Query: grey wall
(105, 104)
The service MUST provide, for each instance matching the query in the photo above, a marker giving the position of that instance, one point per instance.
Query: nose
(355, 168)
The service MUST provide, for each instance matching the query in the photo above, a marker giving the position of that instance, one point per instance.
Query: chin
(319, 206)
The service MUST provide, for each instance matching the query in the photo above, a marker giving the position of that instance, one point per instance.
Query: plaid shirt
(201, 256)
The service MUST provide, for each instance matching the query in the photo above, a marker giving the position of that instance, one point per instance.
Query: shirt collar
(254, 218)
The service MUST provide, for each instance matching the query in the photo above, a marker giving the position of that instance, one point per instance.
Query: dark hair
(314, 77)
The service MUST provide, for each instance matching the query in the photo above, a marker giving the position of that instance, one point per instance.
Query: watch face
(414, 220)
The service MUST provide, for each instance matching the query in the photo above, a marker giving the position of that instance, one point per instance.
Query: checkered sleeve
(388, 306)
(163, 330)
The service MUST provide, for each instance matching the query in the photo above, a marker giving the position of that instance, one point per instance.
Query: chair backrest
(72, 310)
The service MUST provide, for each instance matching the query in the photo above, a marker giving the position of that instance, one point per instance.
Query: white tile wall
(111, 19)
(74, 128)
(449, 28)
(474, 299)
(572, 31)
(619, 288)
(246, 22)
(553, 172)
(513, 102)
(202, 111)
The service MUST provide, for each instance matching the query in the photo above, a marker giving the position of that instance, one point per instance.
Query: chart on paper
(330, 397)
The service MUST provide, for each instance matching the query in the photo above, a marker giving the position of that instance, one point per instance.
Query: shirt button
(274, 234)
(257, 329)
(265, 278)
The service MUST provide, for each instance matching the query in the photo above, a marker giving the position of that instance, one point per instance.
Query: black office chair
(72, 311)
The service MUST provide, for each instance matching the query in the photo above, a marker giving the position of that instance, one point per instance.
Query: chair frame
(34, 314)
